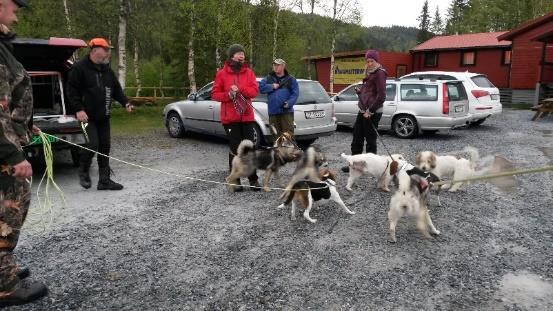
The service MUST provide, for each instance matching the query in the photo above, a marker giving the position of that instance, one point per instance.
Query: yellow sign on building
(349, 70)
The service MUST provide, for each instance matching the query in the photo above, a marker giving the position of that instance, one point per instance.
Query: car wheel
(174, 125)
(257, 136)
(478, 122)
(75, 157)
(405, 126)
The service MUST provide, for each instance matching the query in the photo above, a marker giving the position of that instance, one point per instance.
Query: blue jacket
(288, 92)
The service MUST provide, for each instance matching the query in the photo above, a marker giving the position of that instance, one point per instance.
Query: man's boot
(84, 176)
(25, 291)
(105, 183)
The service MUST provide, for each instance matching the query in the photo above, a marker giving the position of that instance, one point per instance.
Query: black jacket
(91, 87)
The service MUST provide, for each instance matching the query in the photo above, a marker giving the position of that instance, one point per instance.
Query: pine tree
(455, 16)
(424, 24)
(437, 24)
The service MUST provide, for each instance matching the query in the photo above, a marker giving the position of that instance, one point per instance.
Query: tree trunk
(121, 42)
(136, 71)
(218, 35)
(67, 19)
(191, 74)
(309, 41)
(250, 34)
(275, 30)
(335, 25)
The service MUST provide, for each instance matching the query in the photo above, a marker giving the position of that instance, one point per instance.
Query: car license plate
(459, 109)
(494, 96)
(315, 114)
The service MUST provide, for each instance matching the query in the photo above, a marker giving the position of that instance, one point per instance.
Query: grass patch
(142, 119)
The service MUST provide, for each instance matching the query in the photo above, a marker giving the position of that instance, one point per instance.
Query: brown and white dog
(371, 164)
(411, 199)
(448, 166)
(307, 192)
(271, 159)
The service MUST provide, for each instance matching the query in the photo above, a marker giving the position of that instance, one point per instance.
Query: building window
(401, 70)
(430, 59)
(506, 60)
(468, 58)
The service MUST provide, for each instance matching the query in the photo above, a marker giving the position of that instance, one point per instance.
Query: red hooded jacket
(247, 86)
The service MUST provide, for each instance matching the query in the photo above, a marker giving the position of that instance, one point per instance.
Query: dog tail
(474, 156)
(245, 146)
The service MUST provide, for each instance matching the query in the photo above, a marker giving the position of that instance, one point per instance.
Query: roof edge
(526, 26)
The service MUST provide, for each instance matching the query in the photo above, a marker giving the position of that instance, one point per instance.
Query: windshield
(482, 81)
(311, 92)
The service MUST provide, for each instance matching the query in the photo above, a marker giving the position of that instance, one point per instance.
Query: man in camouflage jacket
(16, 111)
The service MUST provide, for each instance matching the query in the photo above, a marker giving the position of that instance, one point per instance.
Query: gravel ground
(174, 244)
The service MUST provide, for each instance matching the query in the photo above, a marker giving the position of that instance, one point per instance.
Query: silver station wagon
(412, 106)
(313, 115)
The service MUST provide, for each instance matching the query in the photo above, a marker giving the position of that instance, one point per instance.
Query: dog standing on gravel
(448, 166)
(307, 192)
(270, 159)
(411, 199)
(371, 164)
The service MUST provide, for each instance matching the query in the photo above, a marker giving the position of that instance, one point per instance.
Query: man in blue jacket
(283, 93)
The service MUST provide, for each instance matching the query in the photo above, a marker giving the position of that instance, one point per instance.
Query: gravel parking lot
(165, 243)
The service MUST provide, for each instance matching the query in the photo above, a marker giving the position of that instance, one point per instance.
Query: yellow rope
(45, 204)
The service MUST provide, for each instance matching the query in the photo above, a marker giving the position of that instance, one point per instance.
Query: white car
(484, 99)
(313, 115)
(411, 106)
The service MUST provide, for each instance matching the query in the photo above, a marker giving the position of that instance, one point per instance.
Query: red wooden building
(350, 67)
(478, 52)
(531, 75)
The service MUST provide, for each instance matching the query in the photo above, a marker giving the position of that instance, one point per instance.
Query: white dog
(411, 199)
(370, 164)
(449, 167)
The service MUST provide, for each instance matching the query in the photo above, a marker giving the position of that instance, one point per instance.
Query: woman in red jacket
(235, 86)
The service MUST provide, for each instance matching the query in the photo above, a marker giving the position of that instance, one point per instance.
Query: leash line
(172, 174)
(492, 176)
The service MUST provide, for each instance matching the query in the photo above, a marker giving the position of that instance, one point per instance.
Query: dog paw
(266, 189)
(311, 220)
(453, 190)
(280, 206)
(349, 189)
(392, 240)
(437, 232)
(351, 212)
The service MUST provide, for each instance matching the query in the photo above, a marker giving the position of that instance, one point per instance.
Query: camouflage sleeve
(10, 151)
(5, 89)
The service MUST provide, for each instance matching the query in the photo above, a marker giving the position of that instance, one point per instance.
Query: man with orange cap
(91, 87)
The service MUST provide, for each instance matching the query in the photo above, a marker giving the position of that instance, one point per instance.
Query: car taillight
(445, 102)
(480, 93)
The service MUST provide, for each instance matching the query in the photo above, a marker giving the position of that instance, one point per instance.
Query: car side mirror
(192, 96)
(337, 98)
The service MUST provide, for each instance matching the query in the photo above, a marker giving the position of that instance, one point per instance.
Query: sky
(398, 12)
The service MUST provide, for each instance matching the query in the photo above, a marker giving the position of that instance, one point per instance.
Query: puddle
(525, 290)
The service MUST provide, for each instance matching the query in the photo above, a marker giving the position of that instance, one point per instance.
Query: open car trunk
(47, 62)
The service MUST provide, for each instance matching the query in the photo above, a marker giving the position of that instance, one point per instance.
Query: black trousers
(364, 131)
(236, 132)
(99, 136)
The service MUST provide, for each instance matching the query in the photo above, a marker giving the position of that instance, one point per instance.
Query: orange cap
(99, 42)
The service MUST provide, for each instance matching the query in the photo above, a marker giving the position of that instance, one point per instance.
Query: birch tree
(122, 41)
(67, 18)
(191, 72)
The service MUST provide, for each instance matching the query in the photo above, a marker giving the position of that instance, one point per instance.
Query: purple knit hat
(372, 54)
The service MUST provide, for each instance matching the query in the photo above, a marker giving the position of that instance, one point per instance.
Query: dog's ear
(433, 160)
(418, 159)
